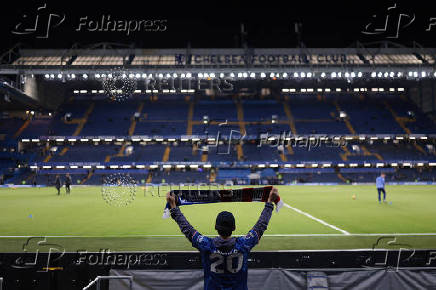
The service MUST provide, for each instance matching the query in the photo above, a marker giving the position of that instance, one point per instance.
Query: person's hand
(171, 200)
(273, 195)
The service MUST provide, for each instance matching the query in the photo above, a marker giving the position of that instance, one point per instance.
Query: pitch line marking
(265, 235)
(316, 219)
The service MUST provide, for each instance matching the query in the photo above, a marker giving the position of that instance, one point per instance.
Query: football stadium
(322, 158)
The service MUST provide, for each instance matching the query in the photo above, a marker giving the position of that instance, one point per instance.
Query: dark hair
(224, 234)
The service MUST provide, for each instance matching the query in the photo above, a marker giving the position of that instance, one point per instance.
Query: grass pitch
(321, 217)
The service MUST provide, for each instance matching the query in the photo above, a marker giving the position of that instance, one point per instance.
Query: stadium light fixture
(386, 74)
(359, 74)
(113, 166)
(33, 167)
(47, 76)
(96, 139)
(379, 164)
(295, 75)
(153, 166)
(353, 74)
(180, 166)
(193, 166)
(287, 165)
(399, 137)
(252, 75)
(46, 166)
(285, 75)
(140, 166)
(327, 90)
(353, 164)
(432, 164)
(400, 89)
(323, 74)
(273, 165)
(309, 75)
(326, 165)
(347, 74)
(60, 140)
(100, 166)
(262, 75)
(60, 167)
(207, 165)
(261, 165)
(420, 164)
(72, 140)
(108, 139)
(74, 166)
(184, 139)
(366, 164)
(319, 90)
(188, 75)
(300, 165)
(127, 166)
(232, 75)
(314, 165)
(407, 164)
(333, 74)
(292, 90)
(373, 74)
(412, 137)
(166, 166)
(285, 90)
(341, 165)
(52, 76)
(84, 140)
(423, 74)
(394, 164)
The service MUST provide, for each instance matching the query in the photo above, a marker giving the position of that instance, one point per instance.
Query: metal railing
(98, 279)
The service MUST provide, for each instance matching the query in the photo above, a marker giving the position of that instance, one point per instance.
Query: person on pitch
(68, 182)
(224, 258)
(58, 184)
(380, 184)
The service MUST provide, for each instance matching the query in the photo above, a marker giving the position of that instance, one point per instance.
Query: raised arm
(180, 219)
(262, 223)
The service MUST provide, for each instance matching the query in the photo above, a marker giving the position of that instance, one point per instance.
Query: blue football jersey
(225, 262)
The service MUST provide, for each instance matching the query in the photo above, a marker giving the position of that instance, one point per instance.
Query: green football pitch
(314, 218)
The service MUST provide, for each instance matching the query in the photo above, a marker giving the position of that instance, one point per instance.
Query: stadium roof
(41, 61)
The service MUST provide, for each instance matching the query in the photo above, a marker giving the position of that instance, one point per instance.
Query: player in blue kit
(224, 258)
(380, 184)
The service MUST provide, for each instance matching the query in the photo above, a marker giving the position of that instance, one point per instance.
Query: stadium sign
(262, 59)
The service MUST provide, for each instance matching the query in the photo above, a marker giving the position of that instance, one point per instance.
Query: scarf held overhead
(187, 197)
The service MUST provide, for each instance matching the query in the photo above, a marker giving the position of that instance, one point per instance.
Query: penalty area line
(317, 219)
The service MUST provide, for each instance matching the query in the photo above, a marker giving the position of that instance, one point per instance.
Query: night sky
(216, 24)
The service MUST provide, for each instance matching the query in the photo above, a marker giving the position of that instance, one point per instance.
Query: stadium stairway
(366, 152)
(402, 122)
(240, 111)
(346, 120)
(22, 128)
(166, 155)
(119, 154)
(290, 117)
(133, 122)
(189, 120)
(90, 173)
